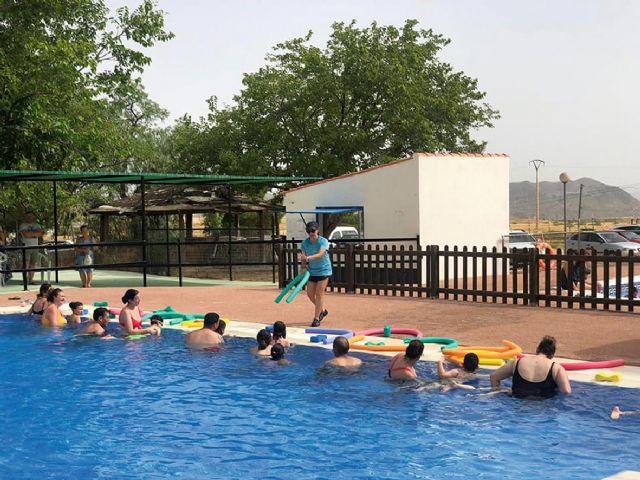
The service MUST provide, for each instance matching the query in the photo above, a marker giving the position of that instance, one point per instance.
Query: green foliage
(369, 96)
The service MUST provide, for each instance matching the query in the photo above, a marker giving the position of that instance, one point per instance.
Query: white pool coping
(630, 374)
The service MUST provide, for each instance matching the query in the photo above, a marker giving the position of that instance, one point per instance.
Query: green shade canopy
(149, 178)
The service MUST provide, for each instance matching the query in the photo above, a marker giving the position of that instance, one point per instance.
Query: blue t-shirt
(321, 266)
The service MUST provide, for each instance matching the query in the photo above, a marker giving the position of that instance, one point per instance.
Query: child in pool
(280, 334)
(76, 312)
(264, 341)
(222, 325)
(277, 355)
(470, 364)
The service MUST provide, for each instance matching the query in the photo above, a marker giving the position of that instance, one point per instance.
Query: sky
(564, 74)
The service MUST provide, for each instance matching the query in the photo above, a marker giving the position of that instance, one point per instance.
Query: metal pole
(537, 164)
(55, 226)
(564, 196)
(144, 232)
(229, 232)
(579, 209)
(166, 239)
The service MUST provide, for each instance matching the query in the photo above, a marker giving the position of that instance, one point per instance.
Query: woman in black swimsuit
(40, 304)
(535, 376)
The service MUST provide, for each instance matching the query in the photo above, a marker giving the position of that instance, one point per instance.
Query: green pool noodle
(289, 286)
(301, 284)
(374, 343)
(447, 342)
(135, 336)
(100, 304)
(175, 321)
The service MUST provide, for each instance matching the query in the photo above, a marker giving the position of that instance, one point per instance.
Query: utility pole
(537, 164)
(579, 210)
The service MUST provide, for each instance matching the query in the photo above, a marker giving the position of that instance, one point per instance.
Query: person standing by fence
(84, 256)
(30, 233)
(315, 259)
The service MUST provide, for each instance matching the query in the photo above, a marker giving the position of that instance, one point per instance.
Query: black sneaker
(316, 322)
(323, 314)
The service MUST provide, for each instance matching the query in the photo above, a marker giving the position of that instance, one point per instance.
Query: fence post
(282, 267)
(350, 266)
(179, 262)
(25, 274)
(435, 271)
(534, 276)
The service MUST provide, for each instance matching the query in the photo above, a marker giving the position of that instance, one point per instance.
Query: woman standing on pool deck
(130, 316)
(84, 256)
(52, 316)
(315, 259)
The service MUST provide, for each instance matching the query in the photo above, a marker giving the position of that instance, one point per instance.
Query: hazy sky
(564, 74)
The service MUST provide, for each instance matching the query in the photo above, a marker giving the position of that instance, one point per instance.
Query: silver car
(602, 241)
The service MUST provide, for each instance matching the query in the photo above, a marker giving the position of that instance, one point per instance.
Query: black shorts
(318, 278)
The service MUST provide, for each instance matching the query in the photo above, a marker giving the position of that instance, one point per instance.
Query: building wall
(389, 196)
(464, 200)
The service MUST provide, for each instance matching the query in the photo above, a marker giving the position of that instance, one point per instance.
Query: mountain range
(599, 201)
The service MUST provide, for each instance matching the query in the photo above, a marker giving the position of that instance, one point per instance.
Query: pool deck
(581, 335)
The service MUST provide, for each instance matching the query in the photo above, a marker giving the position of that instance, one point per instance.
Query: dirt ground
(588, 335)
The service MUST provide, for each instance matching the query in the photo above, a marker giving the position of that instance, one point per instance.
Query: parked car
(520, 240)
(627, 228)
(602, 241)
(339, 234)
(630, 235)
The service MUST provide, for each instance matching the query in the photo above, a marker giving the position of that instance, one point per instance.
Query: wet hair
(221, 326)
(129, 295)
(100, 312)
(156, 320)
(44, 288)
(52, 294)
(414, 350)
(340, 346)
(470, 362)
(74, 305)
(263, 338)
(277, 352)
(279, 330)
(210, 319)
(547, 346)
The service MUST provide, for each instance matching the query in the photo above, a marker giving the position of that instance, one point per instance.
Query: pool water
(87, 408)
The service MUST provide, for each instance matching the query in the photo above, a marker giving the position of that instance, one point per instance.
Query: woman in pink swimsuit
(401, 367)
(131, 315)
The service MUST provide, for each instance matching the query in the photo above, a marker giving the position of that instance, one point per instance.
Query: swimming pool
(86, 408)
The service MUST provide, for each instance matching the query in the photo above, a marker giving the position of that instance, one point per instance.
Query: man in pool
(98, 326)
(342, 359)
(207, 335)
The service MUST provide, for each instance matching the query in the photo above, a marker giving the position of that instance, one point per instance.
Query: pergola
(143, 180)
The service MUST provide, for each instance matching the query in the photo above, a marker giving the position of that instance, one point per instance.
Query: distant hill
(599, 200)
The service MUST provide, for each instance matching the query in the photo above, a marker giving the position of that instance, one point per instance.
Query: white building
(445, 198)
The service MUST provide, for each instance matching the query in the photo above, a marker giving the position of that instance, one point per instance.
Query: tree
(71, 96)
(369, 96)
(62, 65)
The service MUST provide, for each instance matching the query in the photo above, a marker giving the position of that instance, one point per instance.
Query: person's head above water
(470, 362)
(414, 350)
(340, 346)
(44, 288)
(547, 346)
(222, 325)
(263, 338)
(101, 315)
(279, 330)
(211, 320)
(156, 320)
(277, 352)
(53, 294)
(75, 306)
(130, 295)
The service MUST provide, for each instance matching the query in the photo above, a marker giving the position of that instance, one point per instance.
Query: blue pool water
(86, 408)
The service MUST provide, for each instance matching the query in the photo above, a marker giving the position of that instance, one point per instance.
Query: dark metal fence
(482, 275)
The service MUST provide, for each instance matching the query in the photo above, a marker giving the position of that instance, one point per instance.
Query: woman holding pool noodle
(315, 260)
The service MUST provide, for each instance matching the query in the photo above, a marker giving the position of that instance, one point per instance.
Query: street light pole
(564, 178)
(537, 164)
